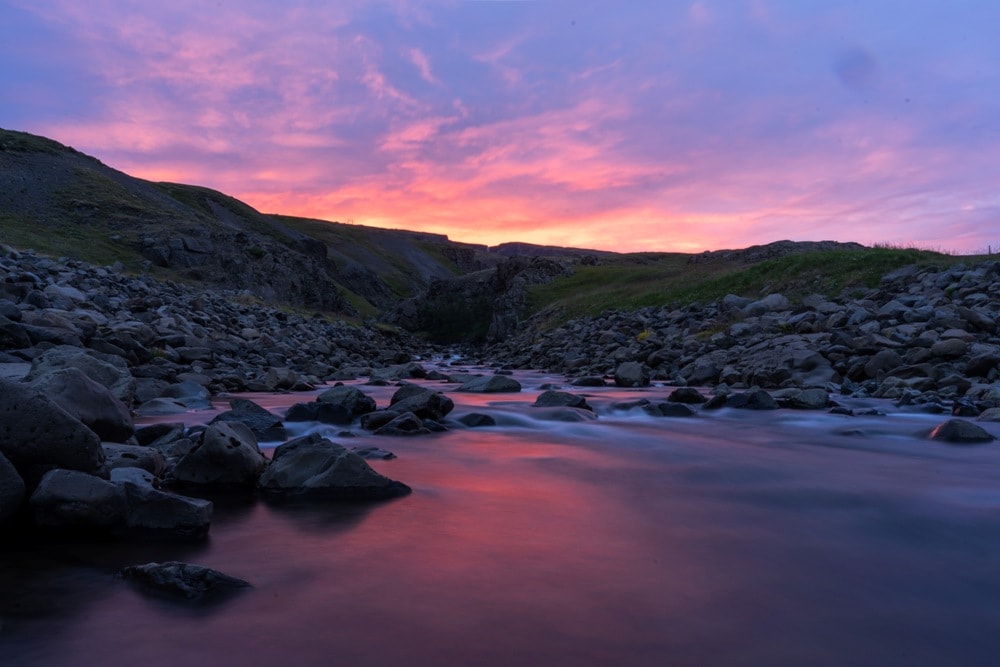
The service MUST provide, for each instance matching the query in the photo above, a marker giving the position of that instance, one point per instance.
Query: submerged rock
(491, 384)
(183, 580)
(553, 399)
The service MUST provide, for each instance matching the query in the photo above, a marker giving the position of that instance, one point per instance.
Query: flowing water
(730, 538)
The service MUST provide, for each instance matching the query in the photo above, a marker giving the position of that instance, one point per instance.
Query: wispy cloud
(685, 125)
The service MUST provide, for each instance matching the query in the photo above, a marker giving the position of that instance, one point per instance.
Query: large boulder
(89, 401)
(313, 466)
(265, 426)
(631, 374)
(11, 490)
(109, 370)
(36, 434)
(352, 400)
(150, 512)
(424, 403)
(227, 456)
(71, 499)
(960, 432)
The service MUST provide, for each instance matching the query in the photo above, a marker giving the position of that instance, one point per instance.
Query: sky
(665, 125)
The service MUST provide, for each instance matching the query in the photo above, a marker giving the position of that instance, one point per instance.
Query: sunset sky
(661, 125)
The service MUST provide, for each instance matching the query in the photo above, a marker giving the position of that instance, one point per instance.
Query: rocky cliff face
(483, 306)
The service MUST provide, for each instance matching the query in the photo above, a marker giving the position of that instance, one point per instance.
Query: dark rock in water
(990, 415)
(554, 399)
(424, 403)
(73, 499)
(227, 456)
(841, 410)
(631, 374)
(314, 467)
(959, 431)
(152, 513)
(265, 426)
(404, 424)
(477, 420)
(434, 426)
(89, 401)
(158, 433)
(670, 410)
(755, 399)
(716, 402)
(378, 419)
(625, 406)
(37, 435)
(11, 490)
(183, 580)
(326, 413)
(964, 408)
(589, 381)
(809, 399)
(491, 384)
(351, 400)
(688, 395)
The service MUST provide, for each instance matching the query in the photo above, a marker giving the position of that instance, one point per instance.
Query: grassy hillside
(629, 282)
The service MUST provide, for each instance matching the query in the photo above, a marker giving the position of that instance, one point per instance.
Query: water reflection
(728, 539)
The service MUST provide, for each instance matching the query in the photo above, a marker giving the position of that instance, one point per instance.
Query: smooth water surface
(732, 538)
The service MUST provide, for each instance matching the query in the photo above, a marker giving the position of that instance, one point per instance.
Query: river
(729, 538)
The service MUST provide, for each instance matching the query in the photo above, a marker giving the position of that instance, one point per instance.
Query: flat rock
(183, 580)
(491, 384)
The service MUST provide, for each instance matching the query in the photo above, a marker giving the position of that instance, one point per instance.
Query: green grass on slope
(82, 242)
(633, 282)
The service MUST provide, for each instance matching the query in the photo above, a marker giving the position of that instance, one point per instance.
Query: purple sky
(627, 126)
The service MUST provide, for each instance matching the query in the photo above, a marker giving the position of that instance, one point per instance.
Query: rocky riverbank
(925, 336)
(90, 348)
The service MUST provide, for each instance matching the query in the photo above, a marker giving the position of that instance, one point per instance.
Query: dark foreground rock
(183, 580)
(314, 467)
(36, 434)
(960, 432)
(491, 384)
(227, 457)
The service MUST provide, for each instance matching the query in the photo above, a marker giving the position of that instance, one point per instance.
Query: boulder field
(85, 348)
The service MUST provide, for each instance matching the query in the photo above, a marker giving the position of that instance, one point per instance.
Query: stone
(491, 384)
(152, 513)
(989, 415)
(589, 381)
(951, 348)
(754, 399)
(405, 424)
(265, 426)
(352, 400)
(809, 399)
(226, 456)
(11, 490)
(959, 431)
(688, 395)
(133, 456)
(183, 581)
(552, 398)
(36, 434)
(315, 467)
(884, 362)
(631, 374)
(424, 403)
(111, 371)
(89, 401)
(191, 395)
(670, 410)
(72, 499)
(159, 407)
(476, 420)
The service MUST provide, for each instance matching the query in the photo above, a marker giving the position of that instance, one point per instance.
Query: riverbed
(730, 538)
